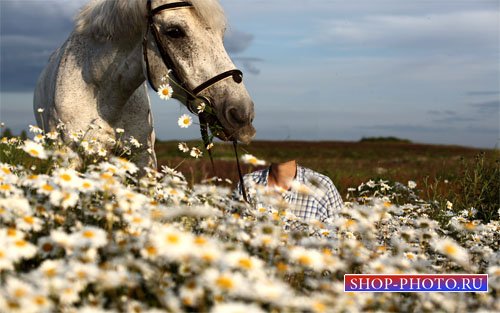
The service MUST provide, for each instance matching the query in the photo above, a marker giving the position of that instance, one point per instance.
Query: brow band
(170, 6)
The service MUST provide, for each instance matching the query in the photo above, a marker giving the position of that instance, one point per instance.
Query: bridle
(192, 94)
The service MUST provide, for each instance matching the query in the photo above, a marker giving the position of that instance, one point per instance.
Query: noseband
(192, 94)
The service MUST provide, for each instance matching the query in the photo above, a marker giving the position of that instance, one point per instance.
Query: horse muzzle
(232, 122)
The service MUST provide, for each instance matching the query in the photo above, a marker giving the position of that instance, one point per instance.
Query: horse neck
(114, 69)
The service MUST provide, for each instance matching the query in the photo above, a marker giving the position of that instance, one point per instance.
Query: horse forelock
(111, 19)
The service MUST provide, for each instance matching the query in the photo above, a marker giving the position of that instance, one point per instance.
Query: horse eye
(175, 32)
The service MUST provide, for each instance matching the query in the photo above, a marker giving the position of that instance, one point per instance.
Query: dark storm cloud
(237, 41)
(249, 64)
(31, 30)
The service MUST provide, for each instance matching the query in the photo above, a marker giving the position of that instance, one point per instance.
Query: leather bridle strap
(167, 6)
(236, 74)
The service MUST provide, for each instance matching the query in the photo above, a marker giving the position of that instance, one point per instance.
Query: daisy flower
(165, 92)
(307, 258)
(412, 184)
(452, 250)
(185, 121)
(67, 178)
(201, 107)
(34, 149)
(172, 243)
(89, 236)
(183, 147)
(196, 153)
(35, 129)
(250, 159)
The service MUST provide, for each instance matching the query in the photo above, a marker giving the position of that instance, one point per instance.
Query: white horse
(97, 77)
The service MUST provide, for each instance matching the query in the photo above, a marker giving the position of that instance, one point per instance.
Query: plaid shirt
(321, 205)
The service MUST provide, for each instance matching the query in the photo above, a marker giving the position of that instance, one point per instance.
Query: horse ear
(104, 19)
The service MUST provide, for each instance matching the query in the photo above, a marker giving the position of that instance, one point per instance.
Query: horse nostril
(236, 116)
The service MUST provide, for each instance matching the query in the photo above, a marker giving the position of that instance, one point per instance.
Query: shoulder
(257, 177)
(316, 179)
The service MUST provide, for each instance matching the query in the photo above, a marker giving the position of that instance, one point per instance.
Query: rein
(192, 94)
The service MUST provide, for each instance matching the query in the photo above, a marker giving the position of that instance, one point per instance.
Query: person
(311, 195)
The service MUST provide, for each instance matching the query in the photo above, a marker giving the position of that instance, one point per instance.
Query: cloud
(237, 41)
(451, 32)
(454, 119)
(404, 128)
(483, 93)
(444, 112)
(248, 64)
(487, 107)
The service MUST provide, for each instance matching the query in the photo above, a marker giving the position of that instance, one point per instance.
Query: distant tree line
(384, 139)
(7, 132)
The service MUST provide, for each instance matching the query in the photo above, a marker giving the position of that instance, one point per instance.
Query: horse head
(185, 39)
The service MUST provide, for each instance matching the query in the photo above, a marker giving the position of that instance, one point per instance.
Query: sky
(422, 70)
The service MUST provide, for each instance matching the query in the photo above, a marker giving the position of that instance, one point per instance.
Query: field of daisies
(100, 239)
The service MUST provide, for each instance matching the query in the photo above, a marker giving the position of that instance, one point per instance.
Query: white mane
(111, 19)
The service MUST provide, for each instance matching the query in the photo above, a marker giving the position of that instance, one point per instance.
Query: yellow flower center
(151, 250)
(410, 256)
(245, 263)
(6, 170)
(40, 300)
(5, 187)
(34, 152)
(21, 243)
(51, 272)
(29, 219)
(19, 293)
(172, 239)
(319, 307)
(81, 274)
(165, 92)
(450, 249)
(65, 177)
(282, 267)
(225, 282)
(200, 241)
(86, 185)
(207, 257)
(305, 260)
(88, 234)
(47, 187)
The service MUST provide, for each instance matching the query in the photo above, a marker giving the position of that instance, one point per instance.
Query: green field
(347, 163)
